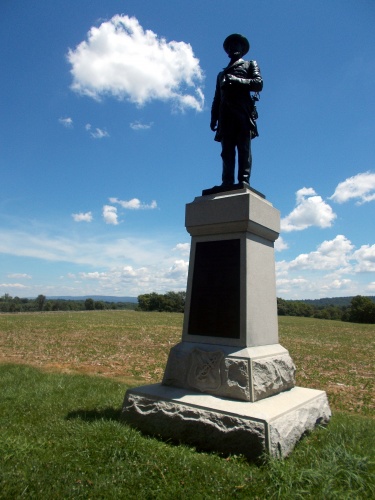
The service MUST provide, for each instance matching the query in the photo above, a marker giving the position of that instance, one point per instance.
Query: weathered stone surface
(207, 430)
(273, 425)
(237, 379)
(287, 430)
(272, 375)
(247, 374)
(205, 373)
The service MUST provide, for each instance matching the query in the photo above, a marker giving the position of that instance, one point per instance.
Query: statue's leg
(228, 154)
(244, 157)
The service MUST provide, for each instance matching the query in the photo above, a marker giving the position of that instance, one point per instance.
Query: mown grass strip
(61, 438)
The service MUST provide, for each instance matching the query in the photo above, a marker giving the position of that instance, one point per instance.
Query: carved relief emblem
(204, 373)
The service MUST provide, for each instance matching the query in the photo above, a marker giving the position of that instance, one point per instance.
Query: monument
(229, 386)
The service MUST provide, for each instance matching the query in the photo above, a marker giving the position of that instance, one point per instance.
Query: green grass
(133, 347)
(335, 356)
(62, 438)
(63, 377)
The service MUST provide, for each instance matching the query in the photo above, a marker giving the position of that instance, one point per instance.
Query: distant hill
(103, 298)
(320, 303)
(331, 301)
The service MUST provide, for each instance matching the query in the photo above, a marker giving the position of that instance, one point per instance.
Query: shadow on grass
(94, 415)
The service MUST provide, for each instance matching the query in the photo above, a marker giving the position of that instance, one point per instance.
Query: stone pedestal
(246, 374)
(229, 385)
(210, 423)
(231, 292)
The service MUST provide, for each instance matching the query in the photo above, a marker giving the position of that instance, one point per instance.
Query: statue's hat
(237, 38)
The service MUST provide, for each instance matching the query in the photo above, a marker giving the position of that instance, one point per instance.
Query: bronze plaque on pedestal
(215, 295)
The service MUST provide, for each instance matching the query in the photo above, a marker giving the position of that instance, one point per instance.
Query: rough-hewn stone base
(246, 374)
(212, 423)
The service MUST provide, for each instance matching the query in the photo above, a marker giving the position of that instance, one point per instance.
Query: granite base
(273, 425)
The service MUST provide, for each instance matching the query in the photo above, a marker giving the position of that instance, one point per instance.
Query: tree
(40, 300)
(282, 307)
(170, 302)
(14, 307)
(330, 312)
(89, 304)
(362, 310)
(48, 306)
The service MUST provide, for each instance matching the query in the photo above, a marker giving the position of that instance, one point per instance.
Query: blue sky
(104, 137)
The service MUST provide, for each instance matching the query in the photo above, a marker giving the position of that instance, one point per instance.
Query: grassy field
(63, 377)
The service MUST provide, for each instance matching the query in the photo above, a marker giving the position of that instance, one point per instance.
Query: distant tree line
(168, 302)
(357, 309)
(360, 310)
(41, 303)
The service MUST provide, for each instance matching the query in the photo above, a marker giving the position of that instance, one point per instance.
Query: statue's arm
(254, 82)
(215, 108)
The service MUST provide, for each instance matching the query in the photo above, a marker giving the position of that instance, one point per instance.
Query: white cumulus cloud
(140, 126)
(183, 248)
(121, 59)
(13, 285)
(110, 215)
(280, 244)
(82, 217)
(179, 268)
(365, 257)
(330, 254)
(310, 210)
(97, 133)
(361, 186)
(335, 266)
(67, 122)
(132, 280)
(134, 204)
(19, 276)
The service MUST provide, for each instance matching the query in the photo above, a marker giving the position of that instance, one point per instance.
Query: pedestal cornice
(232, 212)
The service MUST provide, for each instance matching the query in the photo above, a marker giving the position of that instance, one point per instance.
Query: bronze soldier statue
(232, 112)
